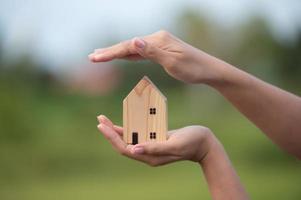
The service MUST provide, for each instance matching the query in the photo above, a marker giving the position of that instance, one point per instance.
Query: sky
(62, 33)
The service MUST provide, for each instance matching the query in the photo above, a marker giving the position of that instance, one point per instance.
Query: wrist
(213, 71)
(214, 150)
(221, 177)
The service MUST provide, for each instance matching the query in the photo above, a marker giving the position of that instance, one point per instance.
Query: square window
(152, 135)
(152, 111)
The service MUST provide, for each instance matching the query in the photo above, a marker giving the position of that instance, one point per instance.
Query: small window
(152, 111)
(152, 135)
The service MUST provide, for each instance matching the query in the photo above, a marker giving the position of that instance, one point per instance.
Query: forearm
(276, 112)
(222, 179)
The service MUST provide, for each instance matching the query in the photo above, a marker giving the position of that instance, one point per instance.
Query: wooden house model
(144, 114)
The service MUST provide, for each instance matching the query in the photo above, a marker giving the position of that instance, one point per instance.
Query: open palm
(188, 143)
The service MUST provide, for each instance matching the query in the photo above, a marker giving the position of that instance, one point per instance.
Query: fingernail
(138, 150)
(139, 43)
(99, 117)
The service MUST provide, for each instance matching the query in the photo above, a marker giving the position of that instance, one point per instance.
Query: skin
(194, 143)
(276, 112)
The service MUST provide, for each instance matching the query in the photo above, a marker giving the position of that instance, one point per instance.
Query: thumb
(149, 51)
(154, 148)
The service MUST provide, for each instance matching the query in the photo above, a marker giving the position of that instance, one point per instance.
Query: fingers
(128, 150)
(135, 49)
(153, 154)
(121, 50)
(114, 138)
(105, 120)
(108, 122)
(155, 148)
(155, 161)
(131, 56)
(152, 160)
(118, 129)
(149, 51)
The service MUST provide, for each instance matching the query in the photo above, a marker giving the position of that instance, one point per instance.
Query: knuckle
(207, 130)
(204, 129)
(163, 34)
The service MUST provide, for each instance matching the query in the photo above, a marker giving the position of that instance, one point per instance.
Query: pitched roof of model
(142, 84)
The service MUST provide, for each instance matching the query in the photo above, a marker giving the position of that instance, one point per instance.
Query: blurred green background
(50, 96)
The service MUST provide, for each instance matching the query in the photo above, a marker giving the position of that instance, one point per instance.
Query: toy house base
(144, 114)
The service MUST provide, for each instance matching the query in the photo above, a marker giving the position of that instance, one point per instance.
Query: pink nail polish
(138, 150)
(139, 43)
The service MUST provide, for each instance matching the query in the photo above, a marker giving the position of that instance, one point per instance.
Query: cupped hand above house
(188, 143)
(179, 59)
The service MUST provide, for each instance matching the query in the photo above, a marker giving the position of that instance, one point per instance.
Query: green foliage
(50, 147)
(251, 46)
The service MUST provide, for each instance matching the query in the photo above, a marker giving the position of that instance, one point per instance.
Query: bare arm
(194, 143)
(276, 112)
(222, 179)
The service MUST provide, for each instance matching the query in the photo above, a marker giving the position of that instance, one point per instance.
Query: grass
(50, 149)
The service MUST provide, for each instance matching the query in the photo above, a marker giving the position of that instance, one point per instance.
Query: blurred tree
(1, 48)
(265, 56)
(256, 42)
(257, 50)
(197, 30)
(289, 63)
(250, 46)
(21, 82)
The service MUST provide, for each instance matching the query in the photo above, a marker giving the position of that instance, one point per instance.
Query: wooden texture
(145, 113)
